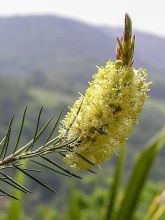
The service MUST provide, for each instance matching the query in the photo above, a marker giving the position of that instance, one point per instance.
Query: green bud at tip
(118, 64)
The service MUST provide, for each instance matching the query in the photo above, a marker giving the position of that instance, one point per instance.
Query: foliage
(28, 151)
(45, 213)
(15, 211)
(139, 199)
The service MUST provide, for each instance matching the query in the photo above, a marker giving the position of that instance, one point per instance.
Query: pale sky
(147, 15)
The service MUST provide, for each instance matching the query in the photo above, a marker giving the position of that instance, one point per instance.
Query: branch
(28, 151)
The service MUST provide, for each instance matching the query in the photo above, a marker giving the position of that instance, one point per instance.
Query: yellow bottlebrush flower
(104, 117)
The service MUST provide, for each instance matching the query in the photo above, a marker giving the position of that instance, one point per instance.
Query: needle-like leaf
(33, 178)
(13, 185)
(7, 139)
(20, 132)
(50, 168)
(60, 167)
(14, 181)
(54, 128)
(7, 194)
(37, 137)
(91, 171)
(85, 159)
(32, 170)
(36, 131)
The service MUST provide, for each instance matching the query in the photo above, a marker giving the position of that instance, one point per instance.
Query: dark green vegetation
(46, 60)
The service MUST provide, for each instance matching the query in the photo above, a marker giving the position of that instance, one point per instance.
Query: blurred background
(48, 53)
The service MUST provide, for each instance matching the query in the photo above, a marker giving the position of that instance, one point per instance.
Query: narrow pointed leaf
(50, 168)
(7, 138)
(54, 128)
(32, 170)
(15, 209)
(36, 131)
(2, 141)
(37, 137)
(14, 181)
(13, 185)
(85, 159)
(44, 127)
(8, 194)
(91, 171)
(120, 46)
(113, 193)
(33, 178)
(20, 132)
(60, 167)
(139, 175)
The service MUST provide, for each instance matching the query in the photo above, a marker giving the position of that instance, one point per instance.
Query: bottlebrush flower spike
(104, 117)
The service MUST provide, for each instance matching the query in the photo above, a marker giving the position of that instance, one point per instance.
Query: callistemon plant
(104, 117)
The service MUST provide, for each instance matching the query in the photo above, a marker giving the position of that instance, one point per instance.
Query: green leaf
(74, 211)
(60, 167)
(12, 185)
(14, 181)
(37, 137)
(16, 207)
(20, 132)
(5, 143)
(54, 128)
(139, 176)
(8, 194)
(116, 183)
(33, 178)
(85, 159)
(36, 131)
(50, 168)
